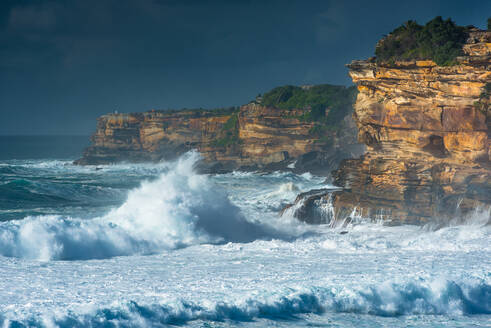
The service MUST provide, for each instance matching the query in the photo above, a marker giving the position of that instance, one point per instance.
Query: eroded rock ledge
(252, 137)
(427, 131)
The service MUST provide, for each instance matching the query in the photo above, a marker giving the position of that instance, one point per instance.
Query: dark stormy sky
(63, 63)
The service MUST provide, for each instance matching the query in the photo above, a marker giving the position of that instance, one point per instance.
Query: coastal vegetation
(482, 103)
(325, 106)
(229, 134)
(328, 104)
(439, 40)
(221, 111)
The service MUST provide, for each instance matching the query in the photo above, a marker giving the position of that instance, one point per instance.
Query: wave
(54, 167)
(180, 208)
(439, 297)
(25, 190)
(480, 217)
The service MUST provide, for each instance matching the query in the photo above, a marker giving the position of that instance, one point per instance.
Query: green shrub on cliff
(229, 134)
(482, 103)
(487, 90)
(439, 40)
(338, 100)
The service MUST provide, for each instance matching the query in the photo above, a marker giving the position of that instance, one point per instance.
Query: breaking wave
(180, 208)
(387, 300)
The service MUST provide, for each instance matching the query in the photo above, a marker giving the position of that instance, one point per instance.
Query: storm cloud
(64, 63)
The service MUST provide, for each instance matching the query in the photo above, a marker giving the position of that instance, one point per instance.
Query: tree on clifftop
(439, 40)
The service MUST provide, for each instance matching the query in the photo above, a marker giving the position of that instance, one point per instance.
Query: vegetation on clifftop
(439, 40)
(221, 111)
(336, 101)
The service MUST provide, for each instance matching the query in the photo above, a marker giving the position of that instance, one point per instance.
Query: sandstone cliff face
(150, 136)
(253, 137)
(427, 131)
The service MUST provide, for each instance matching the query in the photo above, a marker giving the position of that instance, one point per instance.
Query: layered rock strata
(253, 137)
(427, 131)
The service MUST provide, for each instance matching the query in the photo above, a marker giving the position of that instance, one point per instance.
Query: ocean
(159, 245)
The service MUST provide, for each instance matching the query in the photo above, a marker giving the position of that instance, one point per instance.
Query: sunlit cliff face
(427, 132)
(261, 138)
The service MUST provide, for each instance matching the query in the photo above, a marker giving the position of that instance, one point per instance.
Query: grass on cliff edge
(336, 100)
(439, 40)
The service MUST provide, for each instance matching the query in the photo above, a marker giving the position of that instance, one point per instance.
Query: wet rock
(311, 207)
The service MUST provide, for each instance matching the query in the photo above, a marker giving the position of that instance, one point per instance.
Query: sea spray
(364, 275)
(438, 297)
(178, 209)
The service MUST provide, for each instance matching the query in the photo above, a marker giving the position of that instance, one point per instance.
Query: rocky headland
(307, 128)
(427, 131)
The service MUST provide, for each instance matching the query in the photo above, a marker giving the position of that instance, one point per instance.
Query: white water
(178, 209)
(212, 251)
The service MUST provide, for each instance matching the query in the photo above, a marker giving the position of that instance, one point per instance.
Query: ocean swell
(178, 209)
(440, 297)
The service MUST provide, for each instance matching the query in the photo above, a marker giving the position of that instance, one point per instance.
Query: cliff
(427, 132)
(252, 137)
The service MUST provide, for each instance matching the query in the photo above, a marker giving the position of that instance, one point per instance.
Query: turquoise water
(160, 245)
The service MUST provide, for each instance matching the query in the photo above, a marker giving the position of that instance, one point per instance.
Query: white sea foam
(438, 297)
(370, 275)
(285, 191)
(178, 209)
